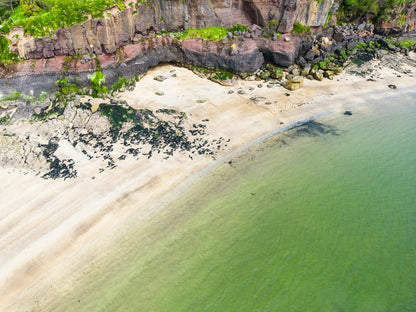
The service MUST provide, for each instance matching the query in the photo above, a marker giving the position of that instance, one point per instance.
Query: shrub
(238, 27)
(6, 57)
(222, 75)
(97, 79)
(298, 28)
(406, 43)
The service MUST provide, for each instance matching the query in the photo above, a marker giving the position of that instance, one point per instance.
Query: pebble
(159, 78)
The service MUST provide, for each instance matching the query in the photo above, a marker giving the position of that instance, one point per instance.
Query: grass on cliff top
(42, 17)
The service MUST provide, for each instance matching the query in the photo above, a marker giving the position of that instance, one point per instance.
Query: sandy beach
(48, 226)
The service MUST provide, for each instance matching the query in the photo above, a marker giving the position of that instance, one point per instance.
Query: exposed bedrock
(106, 35)
(285, 51)
(243, 55)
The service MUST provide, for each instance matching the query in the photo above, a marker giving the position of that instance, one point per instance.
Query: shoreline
(266, 119)
(195, 177)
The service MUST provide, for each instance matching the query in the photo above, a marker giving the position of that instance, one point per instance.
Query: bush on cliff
(6, 57)
(97, 80)
(298, 28)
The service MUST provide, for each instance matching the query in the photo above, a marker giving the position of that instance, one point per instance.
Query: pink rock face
(196, 50)
(199, 45)
(52, 65)
(281, 46)
(106, 35)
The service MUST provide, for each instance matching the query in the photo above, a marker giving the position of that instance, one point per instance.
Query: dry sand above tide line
(45, 224)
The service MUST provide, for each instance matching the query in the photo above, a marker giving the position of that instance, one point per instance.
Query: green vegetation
(10, 97)
(117, 115)
(69, 88)
(298, 28)
(272, 71)
(370, 10)
(7, 8)
(238, 27)
(212, 74)
(6, 57)
(209, 33)
(222, 75)
(273, 24)
(213, 33)
(5, 120)
(55, 109)
(405, 43)
(328, 19)
(97, 80)
(40, 17)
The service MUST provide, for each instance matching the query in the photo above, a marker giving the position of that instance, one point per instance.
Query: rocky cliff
(126, 43)
(106, 35)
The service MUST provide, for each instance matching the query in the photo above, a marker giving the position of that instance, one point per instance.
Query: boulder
(305, 70)
(319, 75)
(294, 83)
(159, 78)
(328, 73)
(284, 53)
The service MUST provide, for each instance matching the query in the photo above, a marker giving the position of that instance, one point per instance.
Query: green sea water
(320, 218)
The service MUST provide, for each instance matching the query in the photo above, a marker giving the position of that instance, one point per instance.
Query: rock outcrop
(106, 35)
(240, 55)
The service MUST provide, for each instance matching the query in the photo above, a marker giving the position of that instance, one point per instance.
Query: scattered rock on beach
(392, 86)
(348, 113)
(159, 78)
(293, 83)
(160, 93)
(319, 75)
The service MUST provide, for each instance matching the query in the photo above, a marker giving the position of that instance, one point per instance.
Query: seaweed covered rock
(293, 82)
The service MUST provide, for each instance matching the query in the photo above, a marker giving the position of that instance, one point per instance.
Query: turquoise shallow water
(321, 218)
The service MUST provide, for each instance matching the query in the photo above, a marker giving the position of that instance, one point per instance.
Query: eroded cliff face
(106, 35)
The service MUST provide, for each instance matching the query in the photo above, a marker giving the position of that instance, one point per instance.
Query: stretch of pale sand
(46, 225)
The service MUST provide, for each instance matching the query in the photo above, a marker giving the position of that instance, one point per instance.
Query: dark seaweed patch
(312, 129)
(140, 133)
(50, 148)
(61, 169)
(362, 57)
(58, 168)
